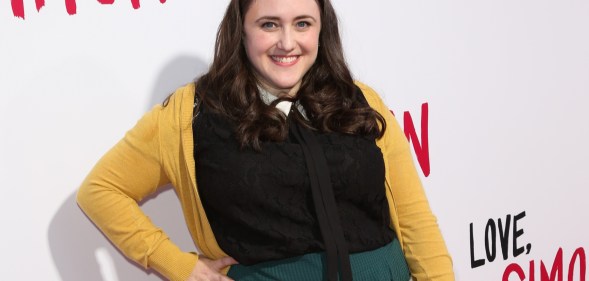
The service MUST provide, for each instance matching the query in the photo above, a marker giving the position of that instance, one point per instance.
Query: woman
(302, 173)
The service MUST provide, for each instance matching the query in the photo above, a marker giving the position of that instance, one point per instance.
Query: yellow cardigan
(159, 150)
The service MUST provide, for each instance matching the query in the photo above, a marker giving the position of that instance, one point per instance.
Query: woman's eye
(269, 25)
(303, 24)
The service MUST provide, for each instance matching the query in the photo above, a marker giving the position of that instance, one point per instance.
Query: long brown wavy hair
(331, 100)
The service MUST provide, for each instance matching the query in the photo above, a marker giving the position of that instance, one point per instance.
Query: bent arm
(126, 174)
(423, 244)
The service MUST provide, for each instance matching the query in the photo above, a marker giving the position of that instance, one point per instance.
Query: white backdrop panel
(506, 84)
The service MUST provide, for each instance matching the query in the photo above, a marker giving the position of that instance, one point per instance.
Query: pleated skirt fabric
(385, 263)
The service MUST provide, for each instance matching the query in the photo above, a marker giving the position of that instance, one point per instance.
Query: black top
(260, 205)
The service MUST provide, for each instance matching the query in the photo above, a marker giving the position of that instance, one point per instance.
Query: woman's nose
(287, 40)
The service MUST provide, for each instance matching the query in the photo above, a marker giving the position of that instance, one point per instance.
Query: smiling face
(281, 42)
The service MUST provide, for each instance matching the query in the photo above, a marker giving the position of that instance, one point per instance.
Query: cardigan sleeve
(423, 244)
(126, 174)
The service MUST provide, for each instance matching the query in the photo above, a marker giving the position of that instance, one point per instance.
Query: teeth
(284, 59)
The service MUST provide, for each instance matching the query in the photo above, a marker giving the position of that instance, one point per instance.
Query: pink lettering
(556, 271)
(18, 9)
(514, 267)
(580, 254)
(39, 4)
(556, 268)
(421, 148)
(70, 6)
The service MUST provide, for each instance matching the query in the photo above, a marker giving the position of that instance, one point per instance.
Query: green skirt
(385, 263)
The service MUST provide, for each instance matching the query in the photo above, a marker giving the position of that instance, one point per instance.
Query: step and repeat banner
(492, 95)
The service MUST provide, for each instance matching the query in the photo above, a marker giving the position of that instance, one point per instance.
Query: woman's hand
(210, 270)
